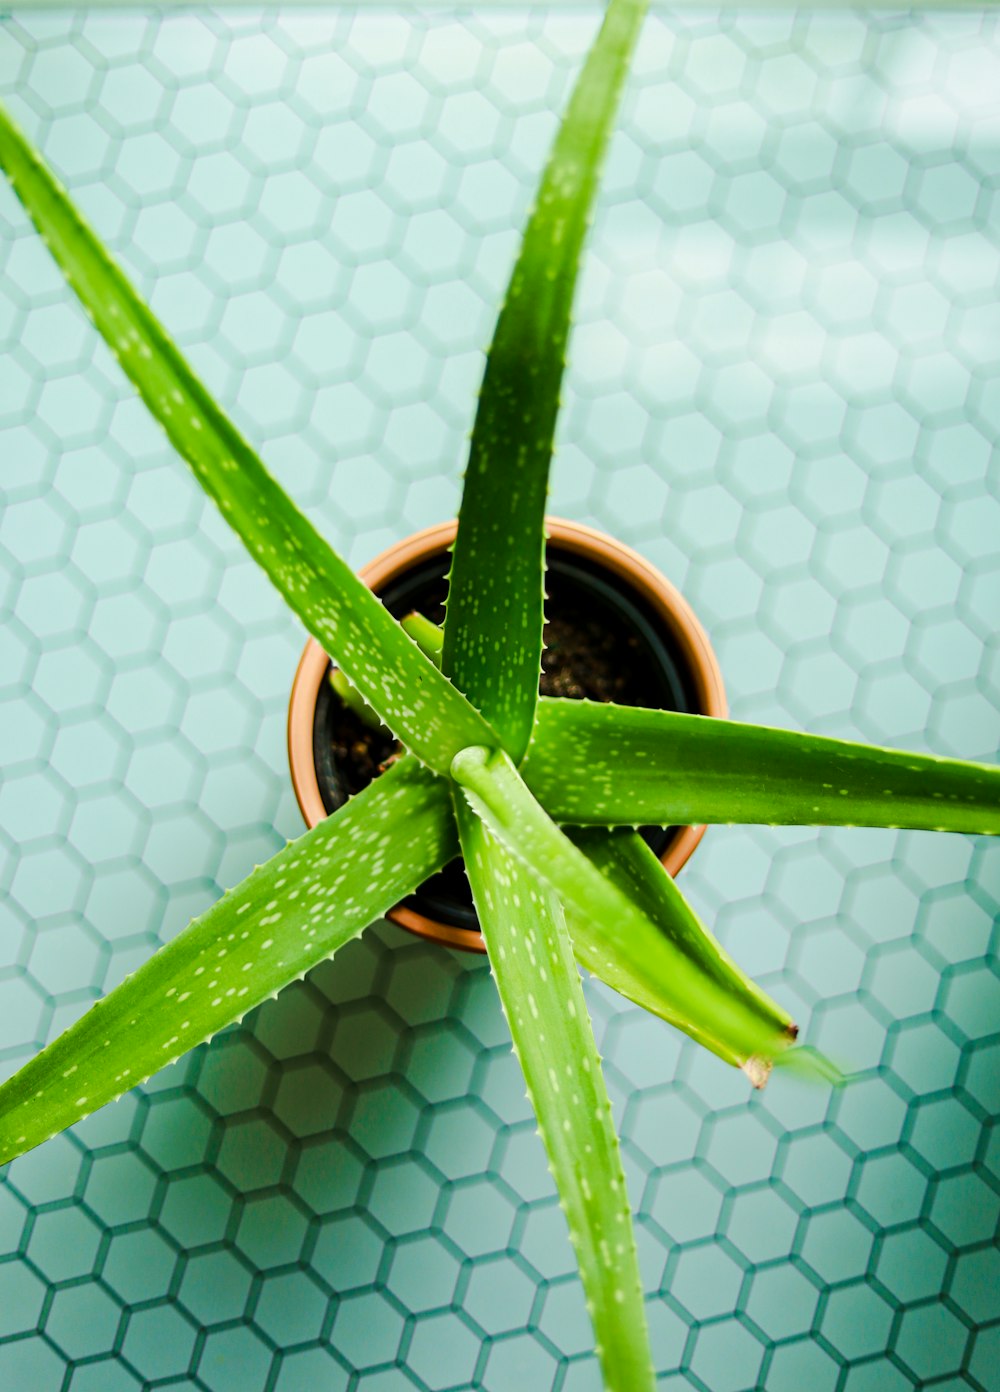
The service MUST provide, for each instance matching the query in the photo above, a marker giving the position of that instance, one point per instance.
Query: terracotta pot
(656, 606)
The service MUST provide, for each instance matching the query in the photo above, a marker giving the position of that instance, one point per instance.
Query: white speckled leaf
(417, 703)
(623, 857)
(543, 1001)
(493, 632)
(311, 898)
(608, 764)
(632, 942)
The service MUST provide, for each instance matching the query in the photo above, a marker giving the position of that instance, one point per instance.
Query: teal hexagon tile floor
(783, 392)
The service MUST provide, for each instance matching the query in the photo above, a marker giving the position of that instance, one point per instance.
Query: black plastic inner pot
(649, 670)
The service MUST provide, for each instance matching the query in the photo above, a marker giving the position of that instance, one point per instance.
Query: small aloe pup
(489, 771)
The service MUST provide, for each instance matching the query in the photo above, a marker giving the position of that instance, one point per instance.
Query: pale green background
(784, 392)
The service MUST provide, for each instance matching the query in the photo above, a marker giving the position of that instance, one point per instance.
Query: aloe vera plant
(541, 797)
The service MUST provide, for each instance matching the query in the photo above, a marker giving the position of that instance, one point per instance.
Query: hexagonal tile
(780, 389)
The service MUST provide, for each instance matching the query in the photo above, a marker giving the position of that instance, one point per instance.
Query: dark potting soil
(360, 753)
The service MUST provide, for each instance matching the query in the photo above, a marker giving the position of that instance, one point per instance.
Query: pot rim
(663, 598)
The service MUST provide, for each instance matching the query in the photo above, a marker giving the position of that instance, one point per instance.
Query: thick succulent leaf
(311, 898)
(632, 941)
(354, 701)
(542, 998)
(493, 631)
(429, 637)
(616, 765)
(418, 704)
(624, 859)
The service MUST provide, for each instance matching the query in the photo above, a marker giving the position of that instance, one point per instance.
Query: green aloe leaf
(625, 860)
(418, 704)
(429, 637)
(299, 908)
(608, 764)
(493, 631)
(543, 1001)
(632, 941)
(349, 696)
